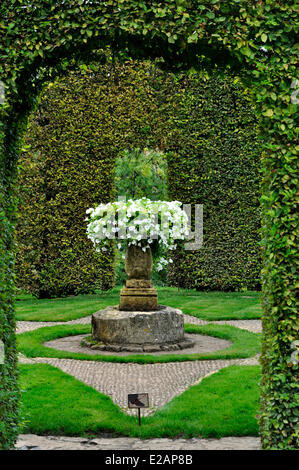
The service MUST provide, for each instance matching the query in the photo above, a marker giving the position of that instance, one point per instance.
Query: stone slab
(139, 283)
(139, 348)
(35, 442)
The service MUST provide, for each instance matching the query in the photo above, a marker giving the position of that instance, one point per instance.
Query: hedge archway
(207, 129)
(42, 39)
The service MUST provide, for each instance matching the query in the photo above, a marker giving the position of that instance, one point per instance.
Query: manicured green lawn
(63, 309)
(224, 404)
(244, 344)
(214, 305)
(205, 305)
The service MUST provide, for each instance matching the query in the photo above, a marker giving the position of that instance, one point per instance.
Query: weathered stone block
(113, 326)
(138, 299)
(114, 347)
(185, 344)
(139, 283)
(152, 348)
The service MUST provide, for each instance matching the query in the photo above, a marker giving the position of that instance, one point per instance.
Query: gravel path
(255, 326)
(23, 326)
(201, 344)
(34, 442)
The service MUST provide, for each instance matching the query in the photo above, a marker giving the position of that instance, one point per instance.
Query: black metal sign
(138, 401)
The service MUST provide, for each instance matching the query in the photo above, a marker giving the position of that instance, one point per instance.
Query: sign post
(138, 400)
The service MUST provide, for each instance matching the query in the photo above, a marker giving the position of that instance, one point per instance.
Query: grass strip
(244, 344)
(206, 305)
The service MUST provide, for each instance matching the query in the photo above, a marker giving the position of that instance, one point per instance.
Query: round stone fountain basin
(138, 330)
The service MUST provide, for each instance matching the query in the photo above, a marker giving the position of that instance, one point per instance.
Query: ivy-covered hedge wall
(62, 174)
(206, 126)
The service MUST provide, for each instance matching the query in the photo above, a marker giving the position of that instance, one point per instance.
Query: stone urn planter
(139, 324)
(138, 263)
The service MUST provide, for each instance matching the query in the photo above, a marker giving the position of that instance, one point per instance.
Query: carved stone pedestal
(139, 293)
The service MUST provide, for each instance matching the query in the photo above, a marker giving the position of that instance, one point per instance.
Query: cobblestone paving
(34, 442)
(118, 380)
(23, 326)
(255, 326)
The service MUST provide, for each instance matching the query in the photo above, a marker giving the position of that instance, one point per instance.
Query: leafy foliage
(41, 39)
(62, 173)
(141, 173)
(83, 123)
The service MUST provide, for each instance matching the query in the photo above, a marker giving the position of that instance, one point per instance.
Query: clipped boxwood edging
(245, 344)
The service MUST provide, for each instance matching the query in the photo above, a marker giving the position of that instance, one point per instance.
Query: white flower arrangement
(140, 222)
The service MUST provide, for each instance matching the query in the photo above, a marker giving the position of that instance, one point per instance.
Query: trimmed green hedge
(65, 170)
(215, 161)
(206, 125)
